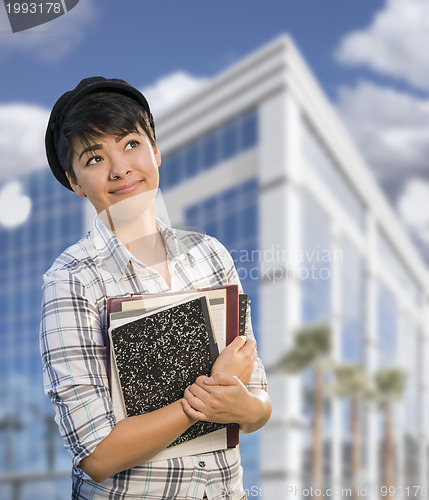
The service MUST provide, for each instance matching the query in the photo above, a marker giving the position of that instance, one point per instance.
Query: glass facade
(29, 439)
(387, 327)
(396, 267)
(397, 342)
(315, 279)
(352, 307)
(221, 144)
(316, 257)
(323, 162)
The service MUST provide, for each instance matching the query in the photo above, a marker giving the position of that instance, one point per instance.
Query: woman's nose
(118, 169)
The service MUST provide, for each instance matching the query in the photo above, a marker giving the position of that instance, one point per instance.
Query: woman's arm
(135, 440)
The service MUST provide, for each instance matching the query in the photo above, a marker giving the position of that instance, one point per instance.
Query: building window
(352, 306)
(387, 327)
(249, 130)
(191, 160)
(229, 141)
(210, 145)
(396, 267)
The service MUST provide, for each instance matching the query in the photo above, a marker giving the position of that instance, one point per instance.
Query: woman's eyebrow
(93, 147)
(124, 134)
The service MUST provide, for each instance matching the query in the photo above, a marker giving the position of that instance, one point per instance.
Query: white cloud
(22, 139)
(413, 206)
(15, 205)
(395, 43)
(391, 129)
(51, 41)
(171, 89)
(413, 209)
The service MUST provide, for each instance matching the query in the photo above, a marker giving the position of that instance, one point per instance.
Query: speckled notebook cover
(159, 355)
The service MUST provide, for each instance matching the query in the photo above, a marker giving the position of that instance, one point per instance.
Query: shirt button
(202, 464)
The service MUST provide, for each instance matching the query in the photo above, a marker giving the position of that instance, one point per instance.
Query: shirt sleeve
(258, 379)
(73, 358)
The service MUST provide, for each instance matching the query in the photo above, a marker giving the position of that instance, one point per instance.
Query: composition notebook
(160, 354)
(227, 308)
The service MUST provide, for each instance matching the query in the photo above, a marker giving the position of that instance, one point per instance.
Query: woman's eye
(131, 144)
(93, 160)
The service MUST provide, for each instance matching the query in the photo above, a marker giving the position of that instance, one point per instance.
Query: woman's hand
(224, 399)
(237, 359)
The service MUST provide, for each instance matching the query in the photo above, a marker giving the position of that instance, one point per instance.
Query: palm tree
(351, 382)
(390, 384)
(311, 348)
(51, 435)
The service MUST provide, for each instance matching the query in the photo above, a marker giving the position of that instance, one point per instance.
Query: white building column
(280, 206)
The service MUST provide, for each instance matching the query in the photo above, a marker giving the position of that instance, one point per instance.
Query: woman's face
(111, 170)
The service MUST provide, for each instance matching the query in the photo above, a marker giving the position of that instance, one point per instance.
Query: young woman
(100, 143)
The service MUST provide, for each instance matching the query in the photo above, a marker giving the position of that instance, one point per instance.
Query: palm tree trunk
(355, 444)
(388, 447)
(317, 449)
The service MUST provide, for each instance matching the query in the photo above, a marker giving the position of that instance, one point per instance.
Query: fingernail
(208, 379)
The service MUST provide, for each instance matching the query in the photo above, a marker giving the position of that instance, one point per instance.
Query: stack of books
(159, 344)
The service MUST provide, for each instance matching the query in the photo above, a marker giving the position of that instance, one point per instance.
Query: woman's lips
(127, 188)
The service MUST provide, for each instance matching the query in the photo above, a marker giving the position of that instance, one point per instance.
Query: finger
(238, 343)
(196, 396)
(221, 379)
(205, 396)
(200, 380)
(200, 384)
(249, 346)
(254, 355)
(191, 412)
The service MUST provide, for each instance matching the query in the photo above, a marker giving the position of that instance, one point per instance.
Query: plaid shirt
(72, 342)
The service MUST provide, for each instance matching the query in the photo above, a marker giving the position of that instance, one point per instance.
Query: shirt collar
(115, 257)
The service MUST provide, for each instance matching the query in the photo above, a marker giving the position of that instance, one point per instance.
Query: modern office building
(258, 158)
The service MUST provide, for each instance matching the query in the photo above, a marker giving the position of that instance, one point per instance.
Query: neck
(138, 233)
(129, 230)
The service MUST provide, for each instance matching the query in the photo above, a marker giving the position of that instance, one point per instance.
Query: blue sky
(369, 56)
(142, 41)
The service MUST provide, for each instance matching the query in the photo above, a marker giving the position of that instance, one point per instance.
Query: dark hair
(99, 114)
